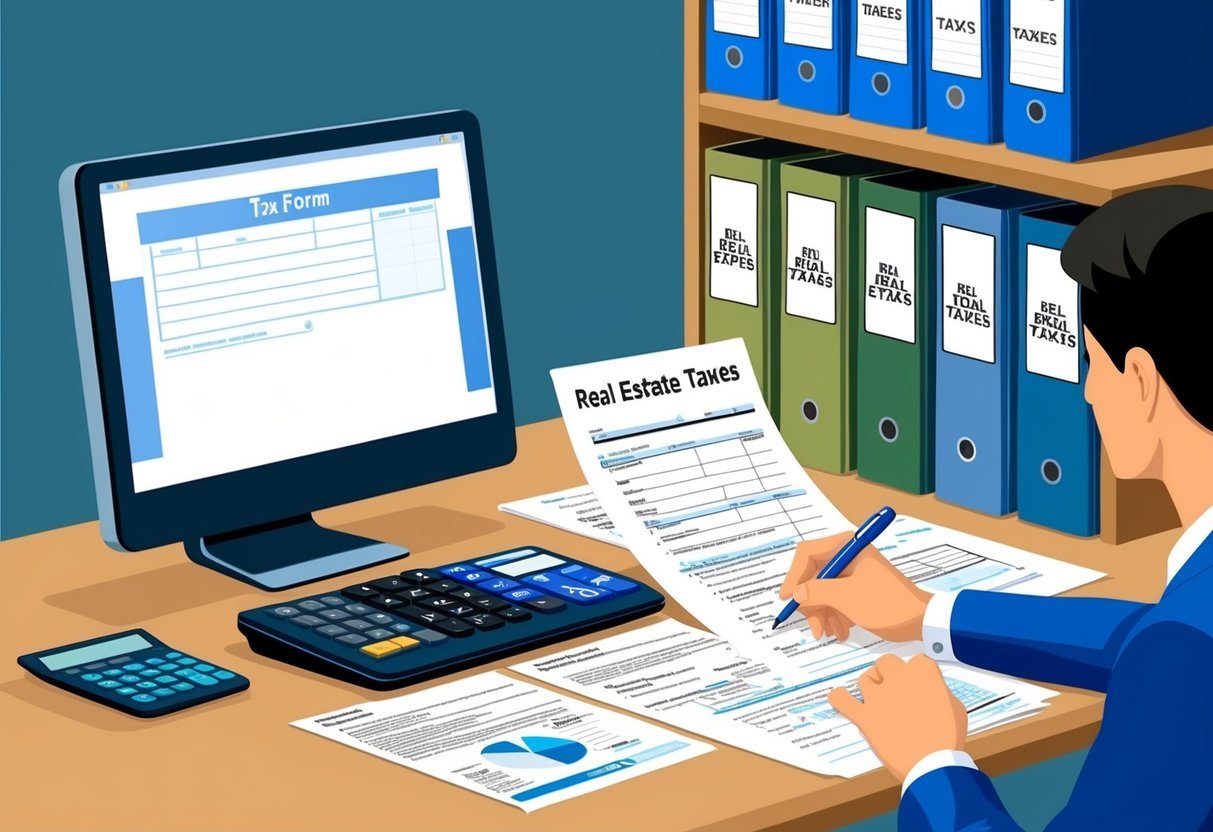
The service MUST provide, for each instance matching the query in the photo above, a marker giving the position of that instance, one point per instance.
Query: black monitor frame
(279, 495)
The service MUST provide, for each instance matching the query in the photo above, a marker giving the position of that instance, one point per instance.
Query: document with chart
(697, 682)
(689, 466)
(506, 739)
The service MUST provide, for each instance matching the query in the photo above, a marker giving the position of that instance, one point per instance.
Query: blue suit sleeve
(1146, 770)
(1067, 641)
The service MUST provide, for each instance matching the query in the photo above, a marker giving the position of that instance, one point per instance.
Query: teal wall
(581, 112)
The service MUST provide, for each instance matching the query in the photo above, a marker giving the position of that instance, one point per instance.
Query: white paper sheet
(695, 681)
(506, 739)
(574, 510)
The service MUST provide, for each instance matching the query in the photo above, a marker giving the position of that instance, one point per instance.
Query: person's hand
(907, 712)
(871, 593)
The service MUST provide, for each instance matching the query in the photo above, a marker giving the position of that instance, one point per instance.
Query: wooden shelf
(1187, 158)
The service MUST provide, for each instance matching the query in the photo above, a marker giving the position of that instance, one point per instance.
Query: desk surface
(237, 764)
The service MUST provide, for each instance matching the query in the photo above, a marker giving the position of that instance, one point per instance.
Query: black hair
(1144, 262)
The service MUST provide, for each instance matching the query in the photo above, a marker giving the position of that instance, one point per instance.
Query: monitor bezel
(268, 493)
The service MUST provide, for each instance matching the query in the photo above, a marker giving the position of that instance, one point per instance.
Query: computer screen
(281, 308)
(276, 325)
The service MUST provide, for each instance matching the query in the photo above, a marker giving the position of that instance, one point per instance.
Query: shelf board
(1187, 158)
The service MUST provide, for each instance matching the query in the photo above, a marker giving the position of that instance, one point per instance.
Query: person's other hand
(871, 593)
(907, 712)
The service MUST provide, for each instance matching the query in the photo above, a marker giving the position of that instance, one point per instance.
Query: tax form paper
(686, 461)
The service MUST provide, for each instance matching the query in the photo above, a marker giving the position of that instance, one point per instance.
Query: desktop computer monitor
(273, 326)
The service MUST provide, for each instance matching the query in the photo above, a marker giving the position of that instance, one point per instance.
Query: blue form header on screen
(297, 204)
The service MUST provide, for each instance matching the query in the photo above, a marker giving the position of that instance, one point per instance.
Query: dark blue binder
(812, 57)
(964, 50)
(739, 48)
(887, 77)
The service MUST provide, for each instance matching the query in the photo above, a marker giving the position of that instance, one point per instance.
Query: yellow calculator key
(381, 648)
(405, 642)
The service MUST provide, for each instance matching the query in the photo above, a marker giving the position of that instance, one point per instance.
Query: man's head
(1145, 263)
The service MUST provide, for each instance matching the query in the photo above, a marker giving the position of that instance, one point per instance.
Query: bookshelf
(1129, 510)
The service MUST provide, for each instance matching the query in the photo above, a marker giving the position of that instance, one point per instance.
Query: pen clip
(873, 520)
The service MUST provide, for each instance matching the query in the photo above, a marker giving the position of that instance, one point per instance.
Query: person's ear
(1142, 373)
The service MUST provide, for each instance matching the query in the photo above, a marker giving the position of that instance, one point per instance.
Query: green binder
(741, 241)
(819, 201)
(895, 420)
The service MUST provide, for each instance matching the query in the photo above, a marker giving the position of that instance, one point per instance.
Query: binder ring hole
(888, 429)
(1050, 469)
(1036, 112)
(808, 409)
(733, 56)
(807, 71)
(966, 450)
(956, 97)
(881, 83)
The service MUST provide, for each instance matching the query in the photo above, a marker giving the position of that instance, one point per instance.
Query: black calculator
(133, 672)
(421, 623)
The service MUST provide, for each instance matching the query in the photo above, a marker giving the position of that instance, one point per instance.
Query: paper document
(698, 682)
(506, 739)
(685, 459)
(574, 510)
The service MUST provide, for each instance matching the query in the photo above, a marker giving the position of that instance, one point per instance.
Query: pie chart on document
(534, 752)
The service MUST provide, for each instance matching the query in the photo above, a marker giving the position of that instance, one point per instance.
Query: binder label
(811, 277)
(809, 23)
(1038, 45)
(967, 298)
(880, 32)
(734, 229)
(1051, 321)
(736, 17)
(888, 304)
(956, 37)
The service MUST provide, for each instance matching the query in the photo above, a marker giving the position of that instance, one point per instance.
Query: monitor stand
(288, 553)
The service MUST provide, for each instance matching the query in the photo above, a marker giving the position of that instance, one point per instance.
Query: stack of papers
(574, 510)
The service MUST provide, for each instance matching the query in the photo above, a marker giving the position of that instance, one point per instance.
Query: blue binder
(964, 69)
(976, 347)
(812, 55)
(888, 79)
(1085, 77)
(1058, 455)
(739, 49)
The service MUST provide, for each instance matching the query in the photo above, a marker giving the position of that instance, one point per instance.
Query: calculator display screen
(95, 652)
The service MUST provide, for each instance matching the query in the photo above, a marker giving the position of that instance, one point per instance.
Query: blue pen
(865, 535)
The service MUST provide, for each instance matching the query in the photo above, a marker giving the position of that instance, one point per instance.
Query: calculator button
(439, 603)
(172, 654)
(109, 684)
(462, 610)
(380, 649)
(205, 681)
(353, 639)
(486, 621)
(284, 612)
(379, 618)
(204, 668)
(568, 588)
(459, 570)
(546, 604)
(185, 673)
(95, 666)
(334, 615)
(379, 634)
(467, 594)
(522, 594)
(153, 661)
(497, 585)
(414, 593)
(74, 671)
(386, 602)
(168, 668)
(389, 584)
(360, 592)
(475, 577)
(113, 671)
(149, 673)
(183, 686)
(419, 577)
(357, 624)
(445, 585)
(121, 660)
(422, 616)
(400, 627)
(453, 627)
(133, 666)
(490, 604)
(92, 677)
(165, 680)
(429, 638)
(357, 609)
(163, 692)
(591, 577)
(333, 600)
(514, 614)
(126, 691)
(305, 621)
(331, 630)
(187, 661)
(311, 606)
(405, 642)
(224, 675)
(147, 686)
(143, 697)
(129, 678)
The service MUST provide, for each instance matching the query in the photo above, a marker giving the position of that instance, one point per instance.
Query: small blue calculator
(133, 672)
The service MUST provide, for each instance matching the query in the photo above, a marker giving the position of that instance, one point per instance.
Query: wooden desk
(236, 764)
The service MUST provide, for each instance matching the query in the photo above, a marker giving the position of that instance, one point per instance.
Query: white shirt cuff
(934, 761)
(937, 627)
